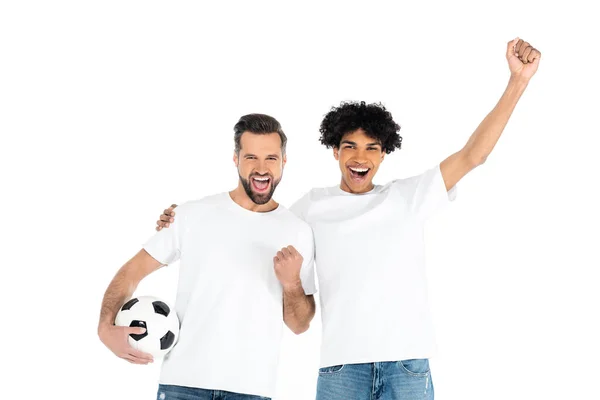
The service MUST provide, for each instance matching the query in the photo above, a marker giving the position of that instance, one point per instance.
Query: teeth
(261, 179)
(359, 169)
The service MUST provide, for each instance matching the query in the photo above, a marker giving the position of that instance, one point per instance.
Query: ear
(236, 160)
(383, 153)
(284, 160)
(336, 153)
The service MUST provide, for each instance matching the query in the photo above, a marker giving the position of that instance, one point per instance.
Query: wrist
(518, 81)
(103, 327)
(292, 286)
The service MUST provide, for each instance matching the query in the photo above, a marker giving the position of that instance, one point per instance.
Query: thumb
(536, 60)
(510, 49)
(136, 330)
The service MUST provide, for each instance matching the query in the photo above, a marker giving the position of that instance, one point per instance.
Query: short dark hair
(373, 118)
(259, 124)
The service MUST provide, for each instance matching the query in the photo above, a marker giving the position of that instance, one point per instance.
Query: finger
(140, 354)
(286, 252)
(526, 53)
(276, 260)
(173, 205)
(280, 255)
(535, 54)
(522, 48)
(519, 46)
(134, 360)
(167, 225)
(295, 254)
(166, 218)
(135, 330)
(169, 211)
(510, 49)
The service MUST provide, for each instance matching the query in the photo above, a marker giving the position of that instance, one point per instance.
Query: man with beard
(377, 331)
(245, 261)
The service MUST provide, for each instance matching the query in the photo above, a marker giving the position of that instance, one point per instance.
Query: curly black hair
(373, 118)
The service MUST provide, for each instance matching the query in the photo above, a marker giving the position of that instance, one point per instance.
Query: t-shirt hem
(226, 388)
(387, 358)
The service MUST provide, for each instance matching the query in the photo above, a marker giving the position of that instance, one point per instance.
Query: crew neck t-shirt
(370, 262)
(229, 301)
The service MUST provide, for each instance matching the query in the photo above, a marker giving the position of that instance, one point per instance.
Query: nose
(360, 157)
(261, 168)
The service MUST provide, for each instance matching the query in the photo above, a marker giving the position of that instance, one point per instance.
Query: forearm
(484, 139)
(298, 308)
(119, 290)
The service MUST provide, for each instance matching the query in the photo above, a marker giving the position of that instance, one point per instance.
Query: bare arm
(523, 61)
(298, 308)
(124, 284)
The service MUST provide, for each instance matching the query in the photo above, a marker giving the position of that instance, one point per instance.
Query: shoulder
(199, 206)
(301, 206)
(291, 218)
(411, 182)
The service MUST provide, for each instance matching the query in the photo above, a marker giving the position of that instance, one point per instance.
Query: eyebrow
(353, 143)
(254, 155)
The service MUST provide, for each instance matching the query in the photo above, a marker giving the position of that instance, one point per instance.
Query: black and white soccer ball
(160, 321)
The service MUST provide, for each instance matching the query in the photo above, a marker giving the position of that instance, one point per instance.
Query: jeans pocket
(415, 367)
(331, 370)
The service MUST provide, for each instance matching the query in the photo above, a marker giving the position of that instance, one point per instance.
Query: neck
(347, 188)
(239, 196)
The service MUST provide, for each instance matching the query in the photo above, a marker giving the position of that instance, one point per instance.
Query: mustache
(267, 175)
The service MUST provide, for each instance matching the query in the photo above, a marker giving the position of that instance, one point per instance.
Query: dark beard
(255, 197)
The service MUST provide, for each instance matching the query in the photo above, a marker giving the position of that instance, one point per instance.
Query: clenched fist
(523, 58)
(287, 264)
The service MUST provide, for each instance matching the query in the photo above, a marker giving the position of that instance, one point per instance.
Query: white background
(111, 111)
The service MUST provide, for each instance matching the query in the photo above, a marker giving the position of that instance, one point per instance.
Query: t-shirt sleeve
(428, 193)
(307, 271)
(165, 245)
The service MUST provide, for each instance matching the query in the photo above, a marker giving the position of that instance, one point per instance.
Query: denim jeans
(394, 380)
(173, 392)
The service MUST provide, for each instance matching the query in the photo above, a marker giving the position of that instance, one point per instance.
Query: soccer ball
(160, 321)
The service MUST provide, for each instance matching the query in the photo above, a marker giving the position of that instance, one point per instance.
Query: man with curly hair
(377, 330)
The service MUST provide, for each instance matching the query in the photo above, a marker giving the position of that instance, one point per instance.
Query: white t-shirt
(229, 300)
(371, 268)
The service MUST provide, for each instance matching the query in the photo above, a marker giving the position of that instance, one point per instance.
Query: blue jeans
(394, 380)
(173, 392)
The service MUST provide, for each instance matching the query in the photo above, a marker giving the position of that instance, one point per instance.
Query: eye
(272, 158)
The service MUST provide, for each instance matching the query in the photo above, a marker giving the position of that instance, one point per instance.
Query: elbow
(300, 329)
(475, 160)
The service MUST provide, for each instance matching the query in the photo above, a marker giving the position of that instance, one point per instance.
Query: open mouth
(260, 183)
(358, 174)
